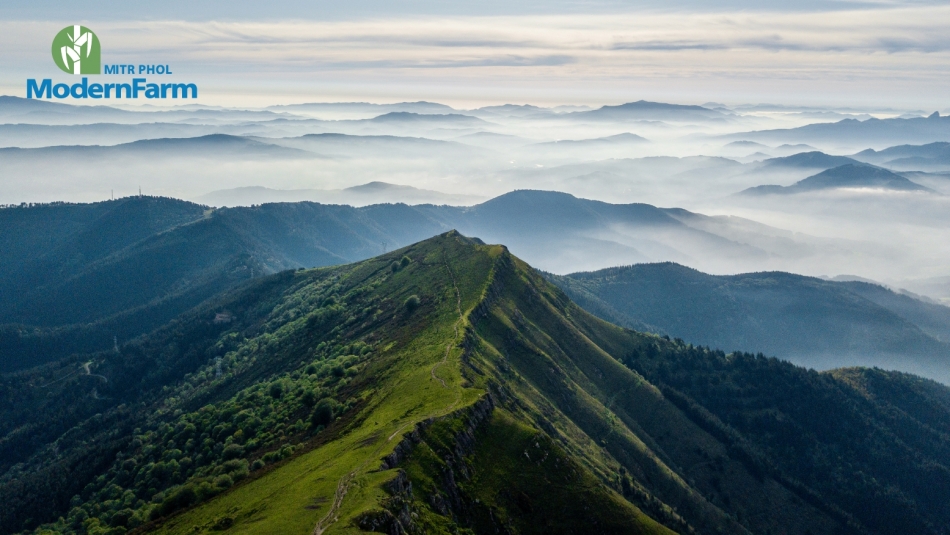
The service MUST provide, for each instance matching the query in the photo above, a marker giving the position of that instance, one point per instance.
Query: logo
(76, 50)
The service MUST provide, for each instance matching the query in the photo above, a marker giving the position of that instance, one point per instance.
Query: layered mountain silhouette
(616, 146)
(381, 147)
(450, 119)
(447, 387)
(933, 156)
(653, 111)
(856, 132)
(362, 195)
(814, 322)
(20, 110)
(219, 147)
(366, 108)
(812, 159)
(844, 176)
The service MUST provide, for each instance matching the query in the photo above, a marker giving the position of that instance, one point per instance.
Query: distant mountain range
(623, 145)
(454, 119)
(813, 322)
(811, 159)
(852, 175)
(214, 146)
(653, 111)
(379, 147)
(363, 195)
(930, 157)
(34, 111)
(855, 133)
(363, 109)
(619, 139)
(40, 135)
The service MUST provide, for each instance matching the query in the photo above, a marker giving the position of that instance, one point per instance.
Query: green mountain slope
(448, 388)
(813, 322)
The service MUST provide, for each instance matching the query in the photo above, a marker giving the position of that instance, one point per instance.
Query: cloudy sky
(868, 55)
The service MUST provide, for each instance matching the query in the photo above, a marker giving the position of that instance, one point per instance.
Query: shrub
(324, 412)
(179, 499)
(394, 266)
(276, 390)
(412, 303)
(121, 518)
(405, 261)
(232, 451)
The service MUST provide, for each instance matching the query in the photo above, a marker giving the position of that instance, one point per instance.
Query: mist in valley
(696, 158)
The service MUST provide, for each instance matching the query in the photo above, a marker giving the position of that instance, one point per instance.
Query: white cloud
(862, 54)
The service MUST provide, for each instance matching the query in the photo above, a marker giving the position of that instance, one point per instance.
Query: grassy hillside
(448, 388)
(813, 322)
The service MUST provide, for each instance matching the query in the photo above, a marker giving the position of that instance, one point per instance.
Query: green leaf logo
(76, 50)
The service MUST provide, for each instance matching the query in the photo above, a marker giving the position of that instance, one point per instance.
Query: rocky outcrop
(396, 516)
(474, 415)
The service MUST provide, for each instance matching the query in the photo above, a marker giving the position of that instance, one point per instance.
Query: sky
(866, 55)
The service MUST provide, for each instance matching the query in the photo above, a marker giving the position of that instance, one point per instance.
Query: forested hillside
(813, 322)
(448, 387)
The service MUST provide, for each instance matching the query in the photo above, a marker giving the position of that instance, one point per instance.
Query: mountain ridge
(446, 367)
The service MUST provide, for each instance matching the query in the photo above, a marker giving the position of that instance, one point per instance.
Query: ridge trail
(346, 481)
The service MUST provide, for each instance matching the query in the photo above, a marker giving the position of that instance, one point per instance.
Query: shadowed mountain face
(845, 176)
(454, 369)
(813, 322)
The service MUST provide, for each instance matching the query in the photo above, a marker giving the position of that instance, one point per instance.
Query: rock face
(474, 415)
(397, 516)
